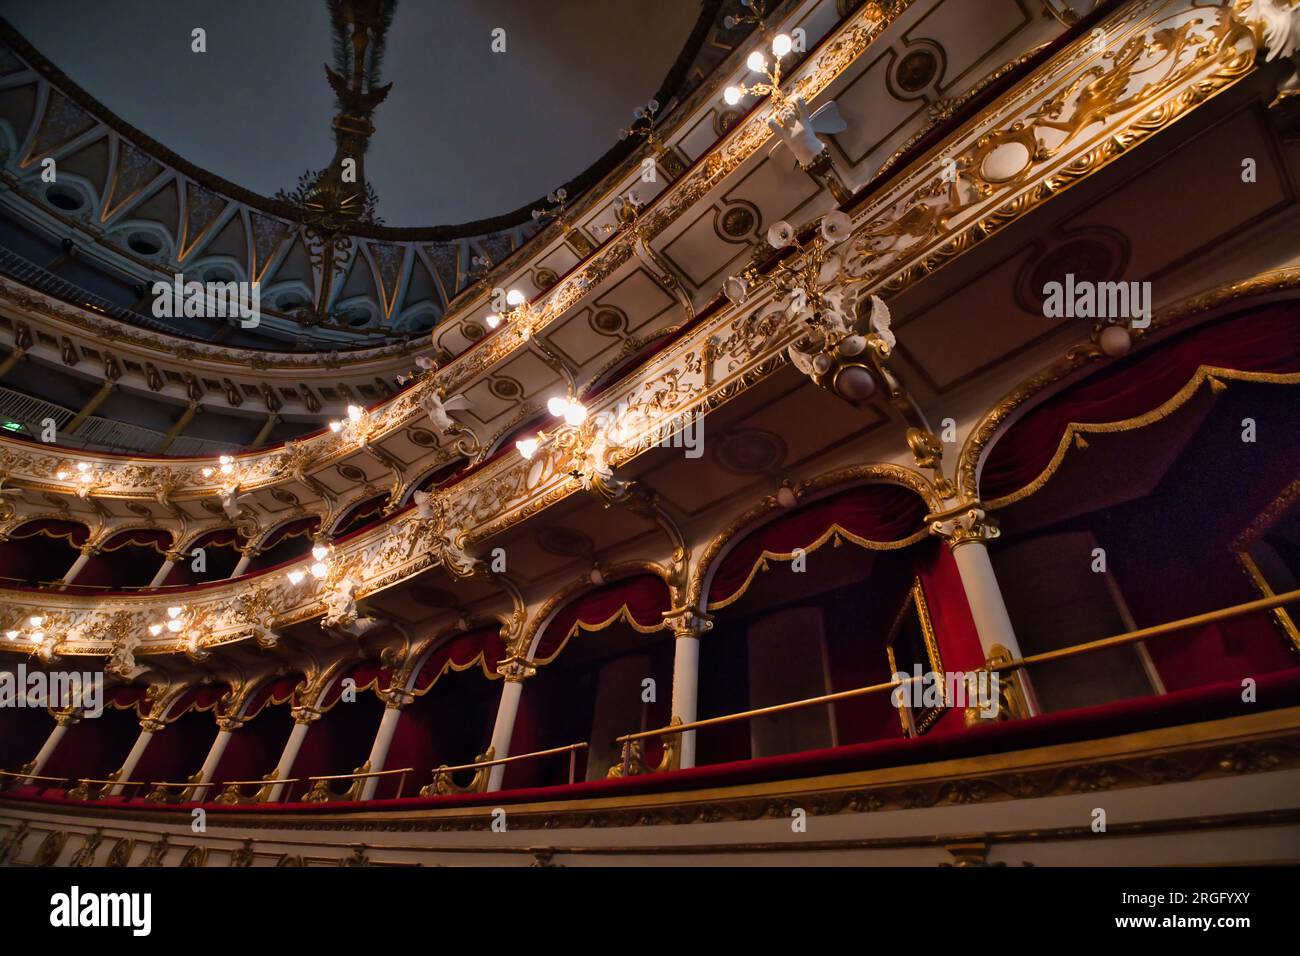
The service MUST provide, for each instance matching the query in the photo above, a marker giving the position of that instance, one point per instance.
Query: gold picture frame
(915, 612)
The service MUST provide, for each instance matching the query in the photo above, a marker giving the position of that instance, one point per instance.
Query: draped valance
(481, 647)
(1258, 344)
(639, 600)
(876, 516)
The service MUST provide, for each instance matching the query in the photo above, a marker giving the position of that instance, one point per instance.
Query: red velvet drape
(646, 597)
(878, 512)
(1262, 339)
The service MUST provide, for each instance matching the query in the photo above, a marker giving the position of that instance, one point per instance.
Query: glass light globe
(781, 45)
(575, 414)
(207, 472)
(336, 426)
(155, 629)
(82, 466)
(756, 62)
(493, 320)
(227, 469)
(319, 552)
(62, 475)
(557, 406)
(295, 577)
(318, 570)
(515, 297)
(36, 620)
(174, 626)
(38, 637)
(354, 412)
(173, 612)
(527, 447)
(731, 95)
(12, 635)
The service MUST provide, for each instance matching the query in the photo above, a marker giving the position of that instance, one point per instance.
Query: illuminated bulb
(173, 612)
(319, 552)
(225, 459)
(207, 472)
(336, 426)
(82, 466)
(61, 475)
(781, 45)
(318, 570)
(295, 577)
(12, 635)
(155, 629)
(515, 298)
(85, 477)
(493, 320)
(227, 469)
(38, 637)
(575, 414)
(756, 62)
(174, 626)
(36, 620)
(527, 447)
(354, 412)
(557, 406)
(731, 95)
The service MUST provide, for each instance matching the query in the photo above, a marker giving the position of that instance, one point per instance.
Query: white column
(163, 571)
(383, 740)
(303, 718)
(147, 730)
(86, 553)
(514, 671)
(215, 753)
(245, 558)
(967, 533)
(51, 742)
(687, 626)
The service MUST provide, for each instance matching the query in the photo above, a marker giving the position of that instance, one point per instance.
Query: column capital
(688, 622)
(229, 724)
(305, 715)
(65, 718)
(173, 556)
(963, 525)
(89, 550)
(396, 699)
(151, 725)
(516, 669)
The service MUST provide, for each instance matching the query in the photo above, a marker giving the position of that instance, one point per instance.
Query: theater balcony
(770, 515)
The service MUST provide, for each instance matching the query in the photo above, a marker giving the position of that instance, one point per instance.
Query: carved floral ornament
(1163, 58)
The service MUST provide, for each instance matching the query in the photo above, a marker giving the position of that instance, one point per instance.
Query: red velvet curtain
(882, 513)
(461, 651)
(645, 596)
(1263, 339)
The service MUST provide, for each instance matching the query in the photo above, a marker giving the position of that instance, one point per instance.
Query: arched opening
(340, 741)
(1147, 493)
(360, 515)
(128, 559)
(605, 668)
(255, 748)
(450, 721)
(210, 557)
(826, 597)
(177, 750)
(94, 747)
(40, 552)
(289, 542)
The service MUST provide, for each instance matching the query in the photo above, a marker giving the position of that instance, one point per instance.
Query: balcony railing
(100, 434)
(629, 743)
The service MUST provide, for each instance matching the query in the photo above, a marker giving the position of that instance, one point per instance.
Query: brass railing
(18, 777)
(628, 742)
(321, 792)
(442, 782)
